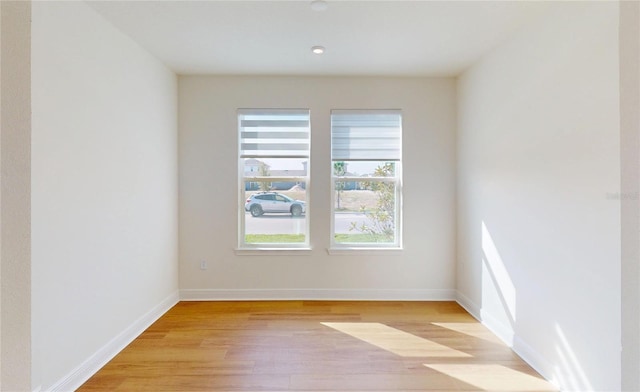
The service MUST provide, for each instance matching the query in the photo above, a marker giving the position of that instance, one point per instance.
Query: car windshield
(287, 198)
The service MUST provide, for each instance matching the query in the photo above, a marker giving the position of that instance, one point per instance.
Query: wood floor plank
(316, 346)
(372, 382)
(177, 368)
(171, 383)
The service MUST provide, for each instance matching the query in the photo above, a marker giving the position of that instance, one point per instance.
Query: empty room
(320, 195)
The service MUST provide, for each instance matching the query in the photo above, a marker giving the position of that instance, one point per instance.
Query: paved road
(286, 224)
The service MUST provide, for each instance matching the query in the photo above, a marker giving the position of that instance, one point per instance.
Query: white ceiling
(270, 37)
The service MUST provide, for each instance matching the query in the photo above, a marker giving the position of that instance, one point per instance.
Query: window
(366, 155)
(274, 147)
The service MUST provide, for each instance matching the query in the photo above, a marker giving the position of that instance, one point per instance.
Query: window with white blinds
(366, 157)
(274, 133)
(366, 135)
(274, 151)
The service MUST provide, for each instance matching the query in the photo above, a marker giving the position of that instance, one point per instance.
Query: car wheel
(296, 210)
(256, 210)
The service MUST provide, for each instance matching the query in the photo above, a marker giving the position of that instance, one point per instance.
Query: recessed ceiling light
(319, 5)
(317, 49)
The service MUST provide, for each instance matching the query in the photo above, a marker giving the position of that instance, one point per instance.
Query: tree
(339, 169)
(381, 222)
(263, 171)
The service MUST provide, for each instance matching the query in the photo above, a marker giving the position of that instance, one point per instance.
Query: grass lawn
(273, 238)
(293, 238)
(362, 238)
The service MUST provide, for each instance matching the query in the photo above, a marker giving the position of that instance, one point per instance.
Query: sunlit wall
(539, 200)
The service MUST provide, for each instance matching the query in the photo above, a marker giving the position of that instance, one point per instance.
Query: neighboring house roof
(286, 173)
(277, 173)
(254, 162)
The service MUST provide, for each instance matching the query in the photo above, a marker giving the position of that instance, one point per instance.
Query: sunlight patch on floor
(396, 341)
(475, 330)
(494, 377)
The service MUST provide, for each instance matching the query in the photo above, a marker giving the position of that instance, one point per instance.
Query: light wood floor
(316, 346)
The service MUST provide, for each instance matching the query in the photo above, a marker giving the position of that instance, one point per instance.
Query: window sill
(363, 251)
(272, 251)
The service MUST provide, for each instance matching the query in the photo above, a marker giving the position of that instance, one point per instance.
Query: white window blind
(274, 133)
(362, 135)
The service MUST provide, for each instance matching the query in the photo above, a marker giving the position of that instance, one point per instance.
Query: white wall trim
(535, 360)
(91, 365)
(468, 305)
(509, 337)
(317, 294)
(502, 331)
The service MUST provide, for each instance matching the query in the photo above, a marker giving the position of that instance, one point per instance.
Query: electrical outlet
(203, 265)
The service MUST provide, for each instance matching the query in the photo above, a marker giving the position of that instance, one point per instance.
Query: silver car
(267, 202)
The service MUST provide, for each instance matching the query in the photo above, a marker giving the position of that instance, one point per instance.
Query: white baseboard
(89, 367)
(535, 360)
(317, 294)
(502, 331)
(468, 305)
(509, 337)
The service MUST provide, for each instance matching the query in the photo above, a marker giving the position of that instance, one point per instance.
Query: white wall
(208, 194)
(630, 186)
(15, 188)
(538, 180)
(104, 190)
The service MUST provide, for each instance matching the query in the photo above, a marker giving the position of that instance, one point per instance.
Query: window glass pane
(275, 217)
(274, 148)
(366, 156)
(364, 169)
(278, 168)
(365, 212)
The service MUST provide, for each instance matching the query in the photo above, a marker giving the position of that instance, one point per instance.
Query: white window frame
(396, 157)
(257, 154)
